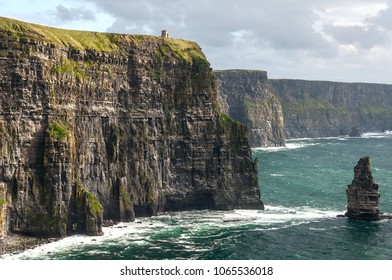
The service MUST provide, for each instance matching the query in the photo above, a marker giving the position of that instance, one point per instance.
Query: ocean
(303, 187)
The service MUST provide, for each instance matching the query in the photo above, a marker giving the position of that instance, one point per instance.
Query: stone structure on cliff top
(98, 126)
(362, 195)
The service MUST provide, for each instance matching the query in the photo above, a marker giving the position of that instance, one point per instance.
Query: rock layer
(329, 109)
(99, 126)
(246, 97)
(362, 194)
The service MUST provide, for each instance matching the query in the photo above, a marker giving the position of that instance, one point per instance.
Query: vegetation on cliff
(96, 41)
(106, 126)
(59, 130)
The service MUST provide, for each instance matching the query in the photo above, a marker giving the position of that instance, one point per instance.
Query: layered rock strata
(98, 126)
(362, 194)
(327, 109)
(246, 96)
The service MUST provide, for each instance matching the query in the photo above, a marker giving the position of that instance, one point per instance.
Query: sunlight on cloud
(354, 15)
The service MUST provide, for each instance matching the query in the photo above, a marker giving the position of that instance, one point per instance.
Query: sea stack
(362, 195)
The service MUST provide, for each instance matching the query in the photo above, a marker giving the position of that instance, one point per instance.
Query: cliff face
(246, 97)
(101, 126)
(322, 109)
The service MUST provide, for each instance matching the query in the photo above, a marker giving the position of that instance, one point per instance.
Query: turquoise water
(303, 187)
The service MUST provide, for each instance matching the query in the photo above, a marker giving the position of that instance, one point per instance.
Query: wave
(289, 146)
(376, 135)
(297, 143)
(181, 226)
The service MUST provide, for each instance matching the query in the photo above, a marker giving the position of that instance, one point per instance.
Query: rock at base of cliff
(355, 132)
(362, 195)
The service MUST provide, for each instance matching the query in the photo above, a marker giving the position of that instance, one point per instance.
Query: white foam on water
(289, 146)
(273, 217)
(117, 232)
(279, 214)
(377, 135)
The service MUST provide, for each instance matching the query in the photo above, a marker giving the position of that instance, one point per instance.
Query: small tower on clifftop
(164, 34)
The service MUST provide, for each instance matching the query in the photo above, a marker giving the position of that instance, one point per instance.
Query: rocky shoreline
(16, 243)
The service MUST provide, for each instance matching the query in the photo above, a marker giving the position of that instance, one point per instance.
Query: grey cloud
(375, 31)
(212, 22)
(273, 35)
(361, 36)
(71, 14)
(384, 19)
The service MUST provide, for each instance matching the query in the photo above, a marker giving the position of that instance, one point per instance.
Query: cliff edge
(329, 109)
(98, 126)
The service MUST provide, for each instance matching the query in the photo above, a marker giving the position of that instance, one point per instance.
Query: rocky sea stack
(100, 126)
(362, 195)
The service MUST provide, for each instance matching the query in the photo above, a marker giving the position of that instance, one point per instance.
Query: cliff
(98, 126)
(326, 109)
(245, 96)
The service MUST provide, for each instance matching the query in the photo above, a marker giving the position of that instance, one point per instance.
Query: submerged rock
(362, 195)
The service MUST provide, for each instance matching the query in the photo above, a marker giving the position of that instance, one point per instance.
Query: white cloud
(318, 39)
(74, 13)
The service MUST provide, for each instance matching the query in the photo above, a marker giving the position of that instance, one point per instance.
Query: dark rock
(385, 217)
(355, 132)
(362, 194)
(330, 109)
(126, 126)
(245, 96)
(108, 223)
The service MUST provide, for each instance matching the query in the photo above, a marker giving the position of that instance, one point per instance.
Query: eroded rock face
(125, 126)
(246, 96)
(362, 194)
(327, 109)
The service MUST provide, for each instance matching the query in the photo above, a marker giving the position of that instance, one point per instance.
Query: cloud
(364, 37)
(305, 38)
(73, 14)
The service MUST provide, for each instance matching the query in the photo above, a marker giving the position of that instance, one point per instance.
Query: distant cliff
(99, 126)
(322, 109)
(246, 97)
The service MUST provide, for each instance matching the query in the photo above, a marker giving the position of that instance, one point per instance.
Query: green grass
(185, 51)
(376, 110)
(312, 105)
(96, 207)
(59, 130)
(69, 66)
(227, 123)
(2, 201)
(81, 40)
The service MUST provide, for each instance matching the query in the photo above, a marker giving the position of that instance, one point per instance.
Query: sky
(335, 40)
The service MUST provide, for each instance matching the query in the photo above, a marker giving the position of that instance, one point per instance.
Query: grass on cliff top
(186, 50)
(101, 42)
(80, 40)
